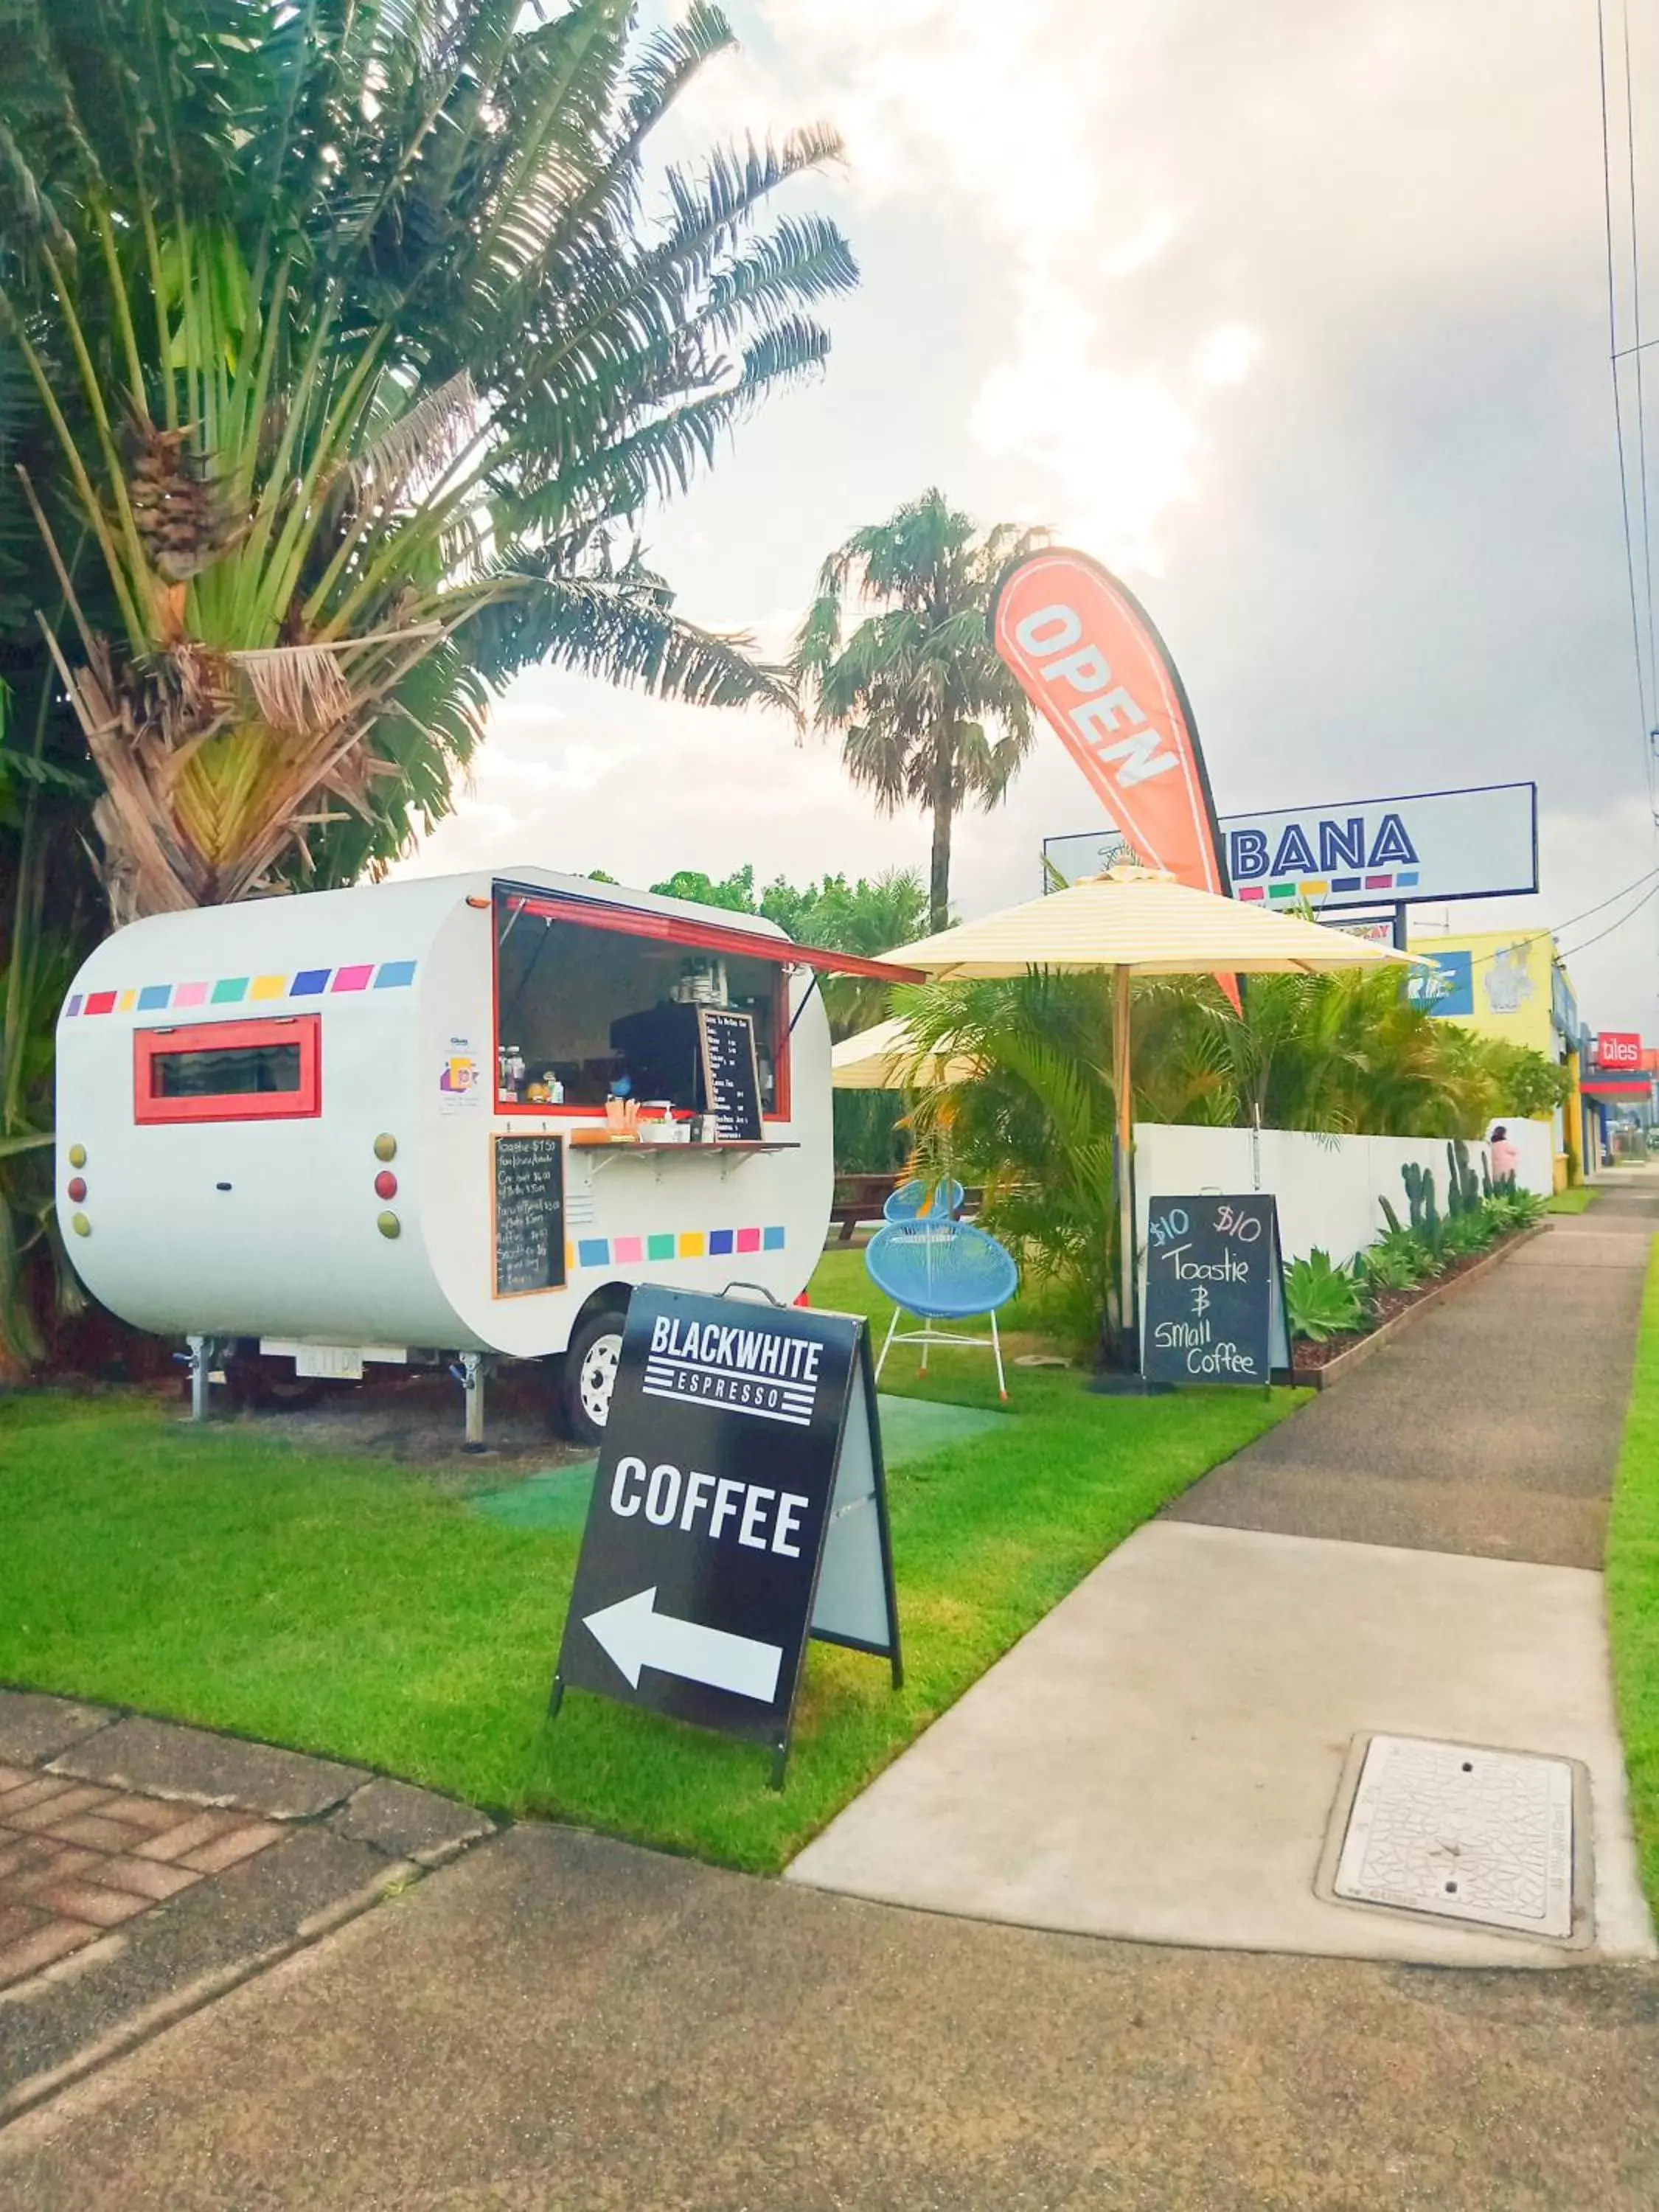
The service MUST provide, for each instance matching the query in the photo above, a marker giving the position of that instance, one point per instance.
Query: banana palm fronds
(350, 323)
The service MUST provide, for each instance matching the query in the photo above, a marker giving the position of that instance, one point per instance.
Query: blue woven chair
(937, 1269)
(917, 1201)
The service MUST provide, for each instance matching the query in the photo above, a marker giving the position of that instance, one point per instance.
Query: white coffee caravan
(397, 1122)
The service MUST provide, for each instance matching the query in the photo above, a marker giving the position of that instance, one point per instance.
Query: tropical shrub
(360, 349)
(1321, 1299)
(1397, 1261)
(1465, 1233)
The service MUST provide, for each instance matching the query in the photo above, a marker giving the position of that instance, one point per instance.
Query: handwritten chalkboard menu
(529, 1214)
(1215, 1291)
(731, 1075)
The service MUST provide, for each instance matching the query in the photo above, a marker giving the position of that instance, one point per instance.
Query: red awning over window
(707, 936)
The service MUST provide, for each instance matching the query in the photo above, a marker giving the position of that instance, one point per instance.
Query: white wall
(1329, 1188)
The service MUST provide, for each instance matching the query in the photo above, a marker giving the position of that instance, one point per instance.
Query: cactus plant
(1426, 1222)
(1462, 1187)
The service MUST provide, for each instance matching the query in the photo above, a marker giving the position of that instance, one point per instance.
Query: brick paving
(77, 1860)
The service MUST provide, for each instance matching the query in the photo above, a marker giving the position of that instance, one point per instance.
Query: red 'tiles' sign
(1619, 1048)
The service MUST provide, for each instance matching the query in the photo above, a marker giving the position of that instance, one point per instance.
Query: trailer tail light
(77, 1188)
(386, 1184)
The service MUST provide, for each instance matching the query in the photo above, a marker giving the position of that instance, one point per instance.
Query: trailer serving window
(585, 1001)
(261, 1071)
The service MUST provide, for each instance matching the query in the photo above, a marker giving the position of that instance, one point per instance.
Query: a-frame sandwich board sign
(1214, 1304)
(740, 1507)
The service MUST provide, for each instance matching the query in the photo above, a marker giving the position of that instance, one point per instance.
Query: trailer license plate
(333, 1363)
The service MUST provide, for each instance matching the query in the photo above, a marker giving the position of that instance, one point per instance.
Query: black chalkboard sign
(740, 1507)
(731, 1075)
(1215, 1291)
(529, 1215)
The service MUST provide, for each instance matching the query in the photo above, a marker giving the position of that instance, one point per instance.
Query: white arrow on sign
(636, 1635)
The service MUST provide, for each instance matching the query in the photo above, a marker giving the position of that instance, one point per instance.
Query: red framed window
(259, 1071)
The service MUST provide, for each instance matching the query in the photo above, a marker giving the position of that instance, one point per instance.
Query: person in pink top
(1504, 1157)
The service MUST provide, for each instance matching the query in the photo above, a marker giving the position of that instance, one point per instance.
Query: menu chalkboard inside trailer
(529, 1215)
(1215, 1291)
(731, 1075)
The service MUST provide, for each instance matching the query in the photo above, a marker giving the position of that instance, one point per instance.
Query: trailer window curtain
(580, 1007)
(229, 1070)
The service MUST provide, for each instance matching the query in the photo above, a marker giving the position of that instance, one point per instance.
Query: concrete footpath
(1414, 1554)
(562, 2024)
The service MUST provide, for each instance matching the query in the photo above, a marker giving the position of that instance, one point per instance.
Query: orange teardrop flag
(1088, 659)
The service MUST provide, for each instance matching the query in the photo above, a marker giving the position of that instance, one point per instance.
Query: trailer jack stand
(470, 1374)
(199, 1360)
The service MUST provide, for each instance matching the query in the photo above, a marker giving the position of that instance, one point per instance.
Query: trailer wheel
(590, 1374)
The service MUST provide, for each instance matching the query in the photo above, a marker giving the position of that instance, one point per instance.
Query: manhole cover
(1464, 1833)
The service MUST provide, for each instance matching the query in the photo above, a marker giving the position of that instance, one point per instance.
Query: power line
(1652, 892)
(1618, 412)
(1558, 928)
(1641, 409)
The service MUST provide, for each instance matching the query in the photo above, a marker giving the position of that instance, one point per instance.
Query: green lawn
(1633, 1587)
(356, 1608)
(1579, 1200)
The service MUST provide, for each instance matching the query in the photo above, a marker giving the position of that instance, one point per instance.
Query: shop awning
(703, 936)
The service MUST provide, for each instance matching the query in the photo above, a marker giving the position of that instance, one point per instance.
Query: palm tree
(929, 714)
(360, 358)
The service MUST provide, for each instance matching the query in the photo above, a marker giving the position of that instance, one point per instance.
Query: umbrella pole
(1126, 1205)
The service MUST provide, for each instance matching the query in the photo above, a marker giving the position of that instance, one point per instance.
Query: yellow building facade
(1512, 985)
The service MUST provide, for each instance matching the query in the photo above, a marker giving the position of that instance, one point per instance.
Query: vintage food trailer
(396, 1123)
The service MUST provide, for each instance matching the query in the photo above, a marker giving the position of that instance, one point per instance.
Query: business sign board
(1617, 1051)
(1435, 845)
(1445, 985)
(739, 1508)
(1215, 1291)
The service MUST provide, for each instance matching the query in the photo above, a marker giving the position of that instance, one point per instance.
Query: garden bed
(1318, 1366)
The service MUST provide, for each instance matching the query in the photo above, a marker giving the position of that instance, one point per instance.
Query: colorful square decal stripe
(670, 1244)
(234, 990)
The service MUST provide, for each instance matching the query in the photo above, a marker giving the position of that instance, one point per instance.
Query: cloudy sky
(1292, 310)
